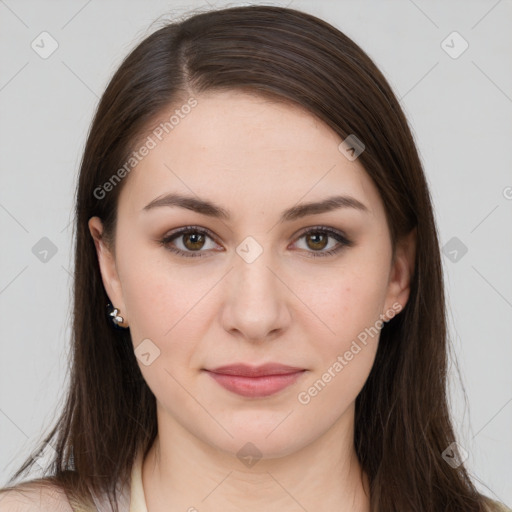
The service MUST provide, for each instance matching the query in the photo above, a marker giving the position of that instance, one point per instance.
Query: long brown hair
(402, 422)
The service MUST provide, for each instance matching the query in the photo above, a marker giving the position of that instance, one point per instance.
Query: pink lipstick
(256, 381)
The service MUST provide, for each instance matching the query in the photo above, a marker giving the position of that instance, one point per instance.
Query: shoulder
(34, 496)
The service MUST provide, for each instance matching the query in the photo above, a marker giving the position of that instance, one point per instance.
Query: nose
(256, 305)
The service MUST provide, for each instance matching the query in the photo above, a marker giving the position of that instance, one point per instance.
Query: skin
(255, 158)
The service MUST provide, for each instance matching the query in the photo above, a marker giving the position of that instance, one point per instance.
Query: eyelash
(345, 242)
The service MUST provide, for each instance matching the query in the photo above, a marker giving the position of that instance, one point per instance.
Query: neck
(181, 472)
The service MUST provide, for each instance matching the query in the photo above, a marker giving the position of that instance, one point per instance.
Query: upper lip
(246, 370)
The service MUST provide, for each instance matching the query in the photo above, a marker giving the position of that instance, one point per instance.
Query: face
(249, 286)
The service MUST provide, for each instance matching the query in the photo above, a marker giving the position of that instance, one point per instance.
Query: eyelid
(325, 229)
(338, 235)
(343, 240)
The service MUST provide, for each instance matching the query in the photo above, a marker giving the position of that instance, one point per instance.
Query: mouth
(256, 382)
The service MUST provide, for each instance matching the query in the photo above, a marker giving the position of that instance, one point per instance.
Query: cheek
(163, 306)
(345, 356)
(156, 294)
(349, 302)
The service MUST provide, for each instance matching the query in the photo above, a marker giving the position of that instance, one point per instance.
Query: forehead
(236, 147)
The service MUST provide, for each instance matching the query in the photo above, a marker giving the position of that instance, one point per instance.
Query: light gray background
(460, 110)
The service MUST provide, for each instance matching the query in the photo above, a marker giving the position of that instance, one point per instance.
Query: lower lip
(256, 387)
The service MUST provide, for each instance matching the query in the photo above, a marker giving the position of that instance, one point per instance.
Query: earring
(115, 317)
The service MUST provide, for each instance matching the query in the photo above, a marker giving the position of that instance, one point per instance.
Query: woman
(252, 209)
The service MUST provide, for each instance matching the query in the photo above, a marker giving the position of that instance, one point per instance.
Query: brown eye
(193, 241)
(318, 241)
(189, 242)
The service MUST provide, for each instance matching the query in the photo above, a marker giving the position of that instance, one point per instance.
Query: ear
(107, 263)
(401, 272)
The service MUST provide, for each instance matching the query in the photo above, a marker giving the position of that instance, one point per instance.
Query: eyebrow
(298, 211)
